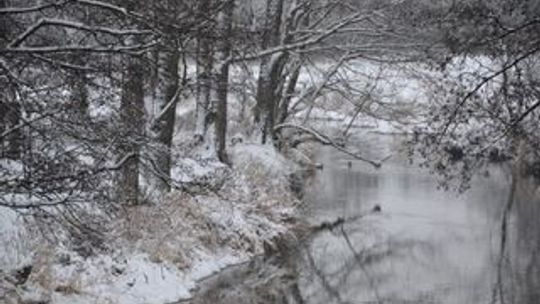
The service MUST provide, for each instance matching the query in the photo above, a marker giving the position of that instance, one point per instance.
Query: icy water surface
(426, 246)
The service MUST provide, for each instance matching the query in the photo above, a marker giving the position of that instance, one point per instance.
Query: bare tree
(58, 58)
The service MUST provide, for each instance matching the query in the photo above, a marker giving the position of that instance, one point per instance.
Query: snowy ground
(158, 253)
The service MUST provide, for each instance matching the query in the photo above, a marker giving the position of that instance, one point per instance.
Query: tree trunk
(132, 122)
(283, 107)
(79, 93)
(270, 94)
(166, 98)
(225, 17)
(10, 109)
(294, 21)
(204, 75)
(10, 118)
(270, 70)
(288, 92)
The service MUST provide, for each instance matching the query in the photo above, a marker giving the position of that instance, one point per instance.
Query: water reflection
(524, 284)
(426, 246)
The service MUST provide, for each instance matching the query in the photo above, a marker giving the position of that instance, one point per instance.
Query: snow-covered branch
(104, 5)
(328, 75)
(303, 43)
(482, 84)
(31, 9)
(79, 48)
(327, 141)
(44, 22)
(24, 123)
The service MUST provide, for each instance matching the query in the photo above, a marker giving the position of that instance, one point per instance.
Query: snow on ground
(131, 279)
(158, 253)
(135, 279)
(269, 159)
(13, 252)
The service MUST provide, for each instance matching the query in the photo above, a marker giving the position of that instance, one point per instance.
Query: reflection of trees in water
(527, 243)
(518, 265)
(361, 271)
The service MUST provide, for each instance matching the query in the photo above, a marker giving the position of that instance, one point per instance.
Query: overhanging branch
(325, 140)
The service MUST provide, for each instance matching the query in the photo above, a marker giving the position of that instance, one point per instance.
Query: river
(425, 246)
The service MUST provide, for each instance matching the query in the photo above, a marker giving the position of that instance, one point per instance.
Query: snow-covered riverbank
(159, 253)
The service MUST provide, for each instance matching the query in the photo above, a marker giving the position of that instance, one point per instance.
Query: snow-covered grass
(158, 253)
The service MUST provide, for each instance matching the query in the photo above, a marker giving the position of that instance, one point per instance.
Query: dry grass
(246, 212)
(166, 231)
(42, 273)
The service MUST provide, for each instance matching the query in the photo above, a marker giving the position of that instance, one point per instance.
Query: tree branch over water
(327, 141)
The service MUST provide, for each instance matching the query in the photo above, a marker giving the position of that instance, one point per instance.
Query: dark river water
(425, 246)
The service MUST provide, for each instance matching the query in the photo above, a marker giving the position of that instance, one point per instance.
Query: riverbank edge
(273, 274)
(66, 284)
